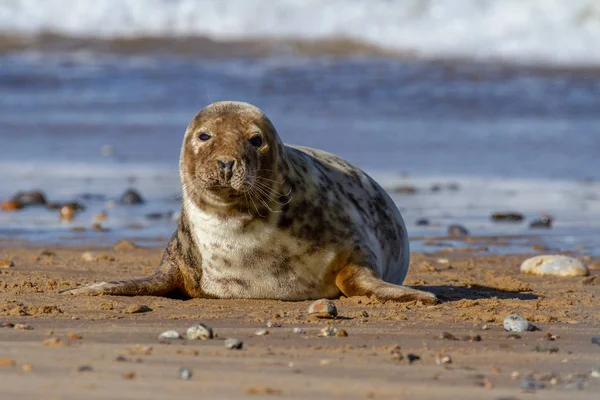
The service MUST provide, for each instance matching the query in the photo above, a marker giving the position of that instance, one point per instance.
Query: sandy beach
(99, 348)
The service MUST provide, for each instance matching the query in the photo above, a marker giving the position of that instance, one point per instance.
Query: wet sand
(128, 362)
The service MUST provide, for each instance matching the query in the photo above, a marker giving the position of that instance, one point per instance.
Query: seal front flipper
(158, 284)
(355, 280)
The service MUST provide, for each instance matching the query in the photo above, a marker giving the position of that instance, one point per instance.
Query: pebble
(323, 309)
(422, 222)
(124, 245)
(11, 205)
(405, 189)
(234, 344)
(507, 217)
(516, 323)
(27, 367)
(73, 336)
(544, 222)
(596, 340)
(272, 324)
(7, 325)
(169, 335)
(200, 331)
(595, 373)
(447, 336)
(7, 362)
(136, 309)
(67, 213)
(89, 256)
(298, 331)
(131, 197)
(54, 342)
(84, 368)
(185, 374)
(129, 375)
(531, 384)
(555, 265)
(23, 327)
(412, 358)
(6, 264)
(471, 338)
(330, 331)
(443, 360)
(30, 198)
(261, 332)
(457, 231)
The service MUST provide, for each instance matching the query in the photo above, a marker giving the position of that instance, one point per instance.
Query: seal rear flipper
(354, 280)
(159, 283)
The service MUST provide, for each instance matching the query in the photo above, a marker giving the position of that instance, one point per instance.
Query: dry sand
(476, 290)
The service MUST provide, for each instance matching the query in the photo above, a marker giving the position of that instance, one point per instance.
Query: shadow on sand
(448, 293)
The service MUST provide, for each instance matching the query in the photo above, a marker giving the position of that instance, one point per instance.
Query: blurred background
(460, 108)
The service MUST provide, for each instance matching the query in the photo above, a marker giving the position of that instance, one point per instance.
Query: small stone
(100, 217)
(447, 336)
(6, 264)
(185, 374)
(54, 342)
(516, 323)
(422, 222)
(531, 384)
(341, 333)
(596, 340)
(85, 368)
(298, 331)
(129, 375)
(169, 335)
(471, 338)
(323, 309)
(412, 358)
(73, 336)
(364, 314)
(11, 205)
(513, 336)
(328, 331)
(234, 344)
(67, 213)
(545, 222)
(555, 265)
(485, 327)
(273, 324)
(30, 198)
(7, 362)
(595, 373)
(405, 189)
(27, 367)
(98, 227)
(89, 256)
(23, 327)
(507, 217)
(131, 197)
(457, 231)
(140, 350)
(261, 332)
(136, 309)
(200, 331)
(7, 325)
(397, 355)
(443, 360)
(124, 245)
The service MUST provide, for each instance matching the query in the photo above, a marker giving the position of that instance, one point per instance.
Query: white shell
(169, 335)
(554, 265)
(199, 331)
(516, 323)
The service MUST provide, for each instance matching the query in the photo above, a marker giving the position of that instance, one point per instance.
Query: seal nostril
(226, 164)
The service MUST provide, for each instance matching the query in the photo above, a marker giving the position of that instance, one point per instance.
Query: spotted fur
(285, 222)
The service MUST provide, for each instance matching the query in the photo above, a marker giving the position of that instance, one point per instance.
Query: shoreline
(476, 291)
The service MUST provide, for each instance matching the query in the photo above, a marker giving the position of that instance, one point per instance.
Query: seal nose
(226, 165)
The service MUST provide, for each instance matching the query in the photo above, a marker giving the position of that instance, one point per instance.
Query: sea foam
(554, 32)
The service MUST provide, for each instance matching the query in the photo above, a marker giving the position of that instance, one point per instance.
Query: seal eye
(204, 136)
(256, 141)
